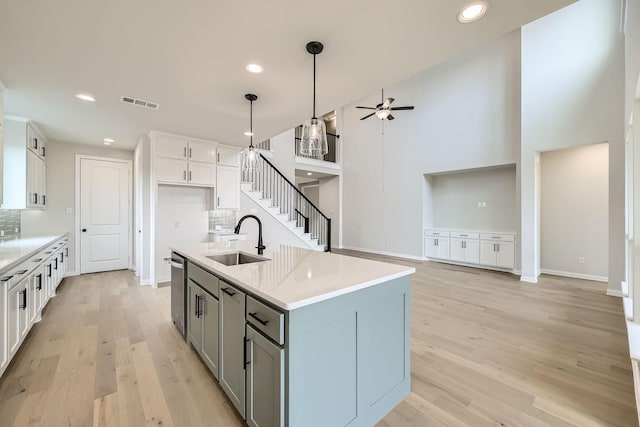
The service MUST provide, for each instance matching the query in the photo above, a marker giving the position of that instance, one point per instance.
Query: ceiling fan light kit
(314, 132)
(249, 156)
(384, 109)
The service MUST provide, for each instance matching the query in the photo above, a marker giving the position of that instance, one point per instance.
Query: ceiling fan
(384, 109)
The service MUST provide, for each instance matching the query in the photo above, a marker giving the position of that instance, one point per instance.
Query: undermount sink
(235, 258)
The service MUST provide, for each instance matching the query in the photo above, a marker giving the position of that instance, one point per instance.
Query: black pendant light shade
(249, 156)
(314, 132)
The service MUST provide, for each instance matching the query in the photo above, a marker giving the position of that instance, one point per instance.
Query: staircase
(272, 191)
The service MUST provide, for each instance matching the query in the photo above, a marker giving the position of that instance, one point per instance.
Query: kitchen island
(298, 337)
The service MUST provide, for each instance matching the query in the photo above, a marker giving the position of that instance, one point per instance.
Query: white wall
(329, 204)
(467, 116)
(182, 220)
(632, 56)
(572, 95)
(283, 154)
(60, 188)
(574, 210)
(456, 196)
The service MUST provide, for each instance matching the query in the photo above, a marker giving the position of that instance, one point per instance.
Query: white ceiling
(190, 56)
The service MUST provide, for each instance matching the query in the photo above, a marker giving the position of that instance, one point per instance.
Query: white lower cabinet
(265, 381)
(24, 292)
(436, 247)
(471, 247)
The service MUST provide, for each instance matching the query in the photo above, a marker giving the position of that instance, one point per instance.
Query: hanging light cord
(251, 125)
(314, 86)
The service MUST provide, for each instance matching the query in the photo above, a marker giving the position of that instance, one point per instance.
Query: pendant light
(314, 132)
(250, 158)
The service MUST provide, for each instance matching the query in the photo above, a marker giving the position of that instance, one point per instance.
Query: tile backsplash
(9, 222)
(222, 220)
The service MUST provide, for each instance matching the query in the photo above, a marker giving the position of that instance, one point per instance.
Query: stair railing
(286, 196)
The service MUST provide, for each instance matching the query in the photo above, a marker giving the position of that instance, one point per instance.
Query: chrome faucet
(261, 247)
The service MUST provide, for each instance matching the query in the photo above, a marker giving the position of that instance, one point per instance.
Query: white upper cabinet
(182, 161)
(23, 166)
(202, 152)
(228, 156)
(171, 147)
(228, 190)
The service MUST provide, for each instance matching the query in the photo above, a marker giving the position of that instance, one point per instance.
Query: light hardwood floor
(487, 350)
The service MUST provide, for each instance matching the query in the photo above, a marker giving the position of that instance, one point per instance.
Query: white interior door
(104, 215)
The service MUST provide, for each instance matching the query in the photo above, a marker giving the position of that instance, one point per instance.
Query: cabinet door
(4, 317)
(487, 252)
(231, 369)
(33, 198)
(228, 186)
(202, 152)
(228, 156)
(471, 251)
(265, 381)
(442, 247)
(202, 174)
(210, 324)
(33, 294)
(430, 248)
(171, 147)
(457, 250)
(194, 325)
(171, 171)
(17, 318)
(506, 255)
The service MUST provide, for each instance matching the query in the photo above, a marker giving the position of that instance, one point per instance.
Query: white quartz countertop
(294, 277)
(14, 251)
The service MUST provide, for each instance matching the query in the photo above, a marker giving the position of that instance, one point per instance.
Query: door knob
(84, 230)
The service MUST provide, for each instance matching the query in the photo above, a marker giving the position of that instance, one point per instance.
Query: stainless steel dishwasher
(178, 289)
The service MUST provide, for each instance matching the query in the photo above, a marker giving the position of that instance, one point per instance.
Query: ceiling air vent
(139, 102)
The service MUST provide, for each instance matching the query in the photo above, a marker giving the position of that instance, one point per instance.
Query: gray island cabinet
(301, 338)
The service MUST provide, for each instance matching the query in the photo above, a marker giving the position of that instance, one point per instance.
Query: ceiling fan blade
(367, 116)
(367, 108)
(378, 106)
(387, 102)
(390, 117)
(402, 108)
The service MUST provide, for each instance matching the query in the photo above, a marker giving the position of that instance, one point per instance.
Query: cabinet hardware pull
(49, 274)
(66, 250)
(263, 322)
(189, 152)
(23, 306)
(35, 198)
(185, 151)
(190, 176)
(44, 199)
(21, 272)
(6, 278)
(44, 151)
(463, 235)
(497, 247)
(184, 175)
(218, 201)
(496, 237)
(56, 266)
(39, 287)
(244, 354)
(228, 292)
(35, 143)
(218, 157)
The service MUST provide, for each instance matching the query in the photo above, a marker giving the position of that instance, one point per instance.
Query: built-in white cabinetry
(23, 166)
(24, 292)
(497, 249)
(465, 247)
(436, 244)
(1, 160)
(471, 247)
(185, 162)
(228, 194)
(228, 156)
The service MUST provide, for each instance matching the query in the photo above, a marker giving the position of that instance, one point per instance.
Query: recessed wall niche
(477, 199)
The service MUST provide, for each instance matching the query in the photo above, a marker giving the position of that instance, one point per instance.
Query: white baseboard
(145, 282)
(614, 292)
(70, 273)
(463, 264)
(528, 279)
(575, 275)
(393, 254)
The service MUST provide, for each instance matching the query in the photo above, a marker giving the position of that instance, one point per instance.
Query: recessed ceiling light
(309, 173)
(472, 12)
(109, 140)
(85, 97)
(107, 143)
(254, 68)
(247, 133)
